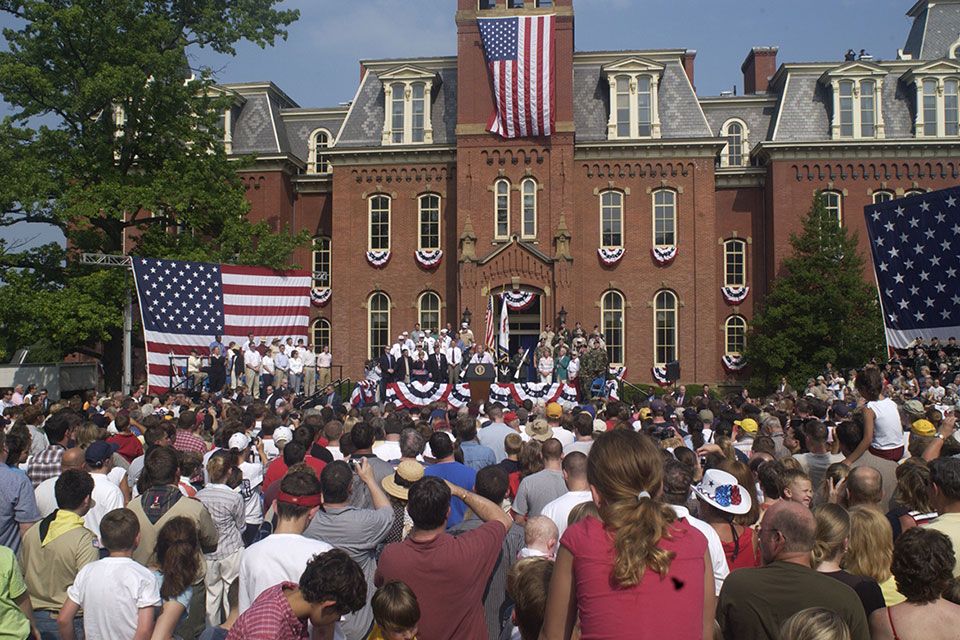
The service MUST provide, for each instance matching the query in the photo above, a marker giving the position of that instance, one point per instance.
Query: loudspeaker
(673, 371)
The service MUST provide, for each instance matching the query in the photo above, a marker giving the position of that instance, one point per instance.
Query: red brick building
(637, 162)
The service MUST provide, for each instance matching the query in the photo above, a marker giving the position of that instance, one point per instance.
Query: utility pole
(109, 260)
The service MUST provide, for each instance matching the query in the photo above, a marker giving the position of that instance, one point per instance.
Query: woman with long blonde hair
(833, 538)
(637, 562)
(870, 552)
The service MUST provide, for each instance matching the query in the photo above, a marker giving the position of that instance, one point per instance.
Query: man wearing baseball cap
(554, 413)
(106, 495)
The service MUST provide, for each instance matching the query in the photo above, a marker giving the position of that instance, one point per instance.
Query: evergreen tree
(820, 308)
(112, 133)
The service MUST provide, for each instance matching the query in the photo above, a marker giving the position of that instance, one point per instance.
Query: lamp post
(466, 316)
(562, 315)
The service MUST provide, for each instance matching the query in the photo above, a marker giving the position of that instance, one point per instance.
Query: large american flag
(183, 305)
(519, 54)
(915, 244)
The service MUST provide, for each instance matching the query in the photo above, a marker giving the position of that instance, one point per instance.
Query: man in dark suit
(437, 364)
(680, 396)
(388, 371)
(331, 398)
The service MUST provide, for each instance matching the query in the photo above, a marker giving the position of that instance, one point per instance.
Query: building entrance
(525, 328)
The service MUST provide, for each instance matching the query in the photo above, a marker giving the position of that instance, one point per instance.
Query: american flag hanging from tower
(915, 243)
(519, 53)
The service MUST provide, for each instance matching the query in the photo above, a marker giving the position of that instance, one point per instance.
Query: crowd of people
(829, 514)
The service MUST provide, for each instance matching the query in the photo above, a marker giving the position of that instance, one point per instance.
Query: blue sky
(318, 64)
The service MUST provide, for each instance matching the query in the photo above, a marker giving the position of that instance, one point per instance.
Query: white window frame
(318, 250)
(857, 87)
(317, 162)
(732, 247)
(607, 308)
(629, 72)
(403, 80)
(422, 311)
(937, 73)
(727, 331)
(620, 216)
(389, 210)
(744, 143)
(954, 122)
(528, 208)
(370, 312)
(318, 328)
(501, 189)
(914, 192)
(827, 195)
(673, 310)
(674, 218)
(882, 195)
(421, 210)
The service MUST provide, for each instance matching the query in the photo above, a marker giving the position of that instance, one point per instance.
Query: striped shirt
(228, 511)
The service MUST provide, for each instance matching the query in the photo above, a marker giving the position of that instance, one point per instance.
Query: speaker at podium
(480, 376)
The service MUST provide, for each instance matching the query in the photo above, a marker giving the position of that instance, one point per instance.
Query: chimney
(688, 57)
(758, 68)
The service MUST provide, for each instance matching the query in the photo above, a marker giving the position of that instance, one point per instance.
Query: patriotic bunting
(664, 255)
(733, 363)
(378, 259)
(364, 393)
(610, 257)
(519, 300)
(428, 258)
(320, 296)
(735, 295)
(415, 395)
(660, 376)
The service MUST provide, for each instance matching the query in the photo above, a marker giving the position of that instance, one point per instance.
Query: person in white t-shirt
(252, 482)
(283, 555)
(117, 594)
(295, 370)
(309, 369)
(578, 491)
(106, 495)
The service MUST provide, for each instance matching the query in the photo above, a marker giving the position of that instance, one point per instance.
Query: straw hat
(398, 485)
(539, 430)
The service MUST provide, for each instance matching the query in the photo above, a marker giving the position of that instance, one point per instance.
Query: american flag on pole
(488, 325)
(915, 244)
(183, 305)
(519, 53)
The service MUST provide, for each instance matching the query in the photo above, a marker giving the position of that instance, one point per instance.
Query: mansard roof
(935, 30)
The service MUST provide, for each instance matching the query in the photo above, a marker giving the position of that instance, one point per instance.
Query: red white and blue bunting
(616, 373)
(612, 389)
(733, 363)
(664, 255)
(320, 296)
(364, 393)
(735, 295)
(519, 300)
(428, 258)
(660, 376)
(415, 395)
(378, 259)
(610, 257)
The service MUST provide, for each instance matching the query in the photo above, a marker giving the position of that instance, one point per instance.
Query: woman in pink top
(640, 568)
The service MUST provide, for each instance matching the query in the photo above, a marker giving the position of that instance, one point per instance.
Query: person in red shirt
(129, 445)
(332, 585)
(293, 453)
(447, 574)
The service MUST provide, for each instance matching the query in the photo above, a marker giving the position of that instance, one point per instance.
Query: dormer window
(937, 87)
(407, 94)
(857, 92)
(634, 109)
(317, 161)
(737, 151)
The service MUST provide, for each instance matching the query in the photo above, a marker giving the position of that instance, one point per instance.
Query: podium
(480, 376)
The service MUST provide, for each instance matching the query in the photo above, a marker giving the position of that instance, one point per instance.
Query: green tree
(820, 308)
(114, 137)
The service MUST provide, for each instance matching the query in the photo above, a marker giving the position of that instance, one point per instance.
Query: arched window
(611, 319)
(868, 108)
(317, 161)
(664, 327)
(736, 136)
(664, 217)
(321, 334)
(396, 111)
(846, 108)
(882, 196)
(429, 205)
(418, 103)
(428, 311)
(611, 219)
(833, 202)
(623, 106)
(951, 108)
(528, 221)
(735, 335)
(501, 205)
(734, 263)
(321, 261)
(914, 192)
(930, 107)
(378, 323)
(379, 223)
